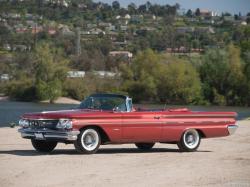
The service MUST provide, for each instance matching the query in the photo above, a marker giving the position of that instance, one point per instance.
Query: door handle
(157, 117)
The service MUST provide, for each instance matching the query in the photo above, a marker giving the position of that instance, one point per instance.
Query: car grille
(41, 124)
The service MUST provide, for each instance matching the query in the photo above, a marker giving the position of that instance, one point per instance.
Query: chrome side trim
(39, 119)
(197, 115)
(232, 128)
(47, 134)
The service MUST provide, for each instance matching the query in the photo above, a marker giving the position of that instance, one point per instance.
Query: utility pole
(35, 37)
(78, 41)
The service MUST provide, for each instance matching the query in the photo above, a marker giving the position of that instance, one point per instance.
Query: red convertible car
(111, 119)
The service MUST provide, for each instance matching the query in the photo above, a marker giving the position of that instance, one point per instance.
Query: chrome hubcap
(90, 139)
(191, 138)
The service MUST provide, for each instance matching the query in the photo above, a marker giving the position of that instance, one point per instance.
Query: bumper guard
(232, 128)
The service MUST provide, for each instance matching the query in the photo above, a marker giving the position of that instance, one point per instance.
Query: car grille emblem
(37, 123)
(42, 124)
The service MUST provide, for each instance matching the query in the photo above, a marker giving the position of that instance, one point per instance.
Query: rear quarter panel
(208, 124)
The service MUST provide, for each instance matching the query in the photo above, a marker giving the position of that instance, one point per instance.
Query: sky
(232, 6)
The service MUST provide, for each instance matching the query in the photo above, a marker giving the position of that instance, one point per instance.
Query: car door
(141, 127)
(109, 122)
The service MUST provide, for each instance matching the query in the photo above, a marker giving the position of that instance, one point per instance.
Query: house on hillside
(183, 30)
(20, 28)
(143, 31)
(228, 19)
(136, 18)
(208, 30)
(110, 28)
(51, 31)
(96, 31)
(184, 50)
(127, 16)
(13, 15)
(82, 6)
(4, 77)
(207, 13)
(21, 48)
(105, 74)
(7, 47)
(124, 54)
(91, 25)
(104, 24)
(76, 74)
(65, 30)
(124, 28)
(36, 29)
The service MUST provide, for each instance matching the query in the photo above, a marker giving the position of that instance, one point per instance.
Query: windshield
(104, 103)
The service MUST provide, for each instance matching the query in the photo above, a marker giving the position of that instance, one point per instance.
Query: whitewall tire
(88, 141)
(190, 140)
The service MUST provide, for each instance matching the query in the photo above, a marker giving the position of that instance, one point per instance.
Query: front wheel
(144, 146)
(43, 146)
(88, 141)
(190, 141)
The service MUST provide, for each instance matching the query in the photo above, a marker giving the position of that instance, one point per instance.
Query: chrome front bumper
(46, 134)
(231, 129)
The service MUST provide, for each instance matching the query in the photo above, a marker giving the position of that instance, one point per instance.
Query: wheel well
(103, 134)
(202, 135)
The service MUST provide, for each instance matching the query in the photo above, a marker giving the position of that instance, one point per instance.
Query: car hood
(75, 113)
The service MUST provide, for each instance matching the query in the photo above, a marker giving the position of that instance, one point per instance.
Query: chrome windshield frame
(128, 101)
(129, 104)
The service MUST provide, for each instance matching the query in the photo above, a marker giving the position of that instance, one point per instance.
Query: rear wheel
(190, 141)
(88, 141)
(144, 146)
(43, 146)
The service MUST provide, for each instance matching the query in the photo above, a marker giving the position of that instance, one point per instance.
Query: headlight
(64, 124)
(24, 123)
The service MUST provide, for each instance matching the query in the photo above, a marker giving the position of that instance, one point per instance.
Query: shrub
(21, 90)
(75, 88)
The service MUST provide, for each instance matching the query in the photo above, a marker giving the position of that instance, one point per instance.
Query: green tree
(21, 90)
(132, 9)
(116, 5)
(50, 72)
(189, 13)
(247, 76)
(76, 88)
(197, 12)
(153, 77)
(179, 83)
(140, 80)
(222, 75)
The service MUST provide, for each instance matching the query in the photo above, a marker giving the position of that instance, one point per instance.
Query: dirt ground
(219, 162)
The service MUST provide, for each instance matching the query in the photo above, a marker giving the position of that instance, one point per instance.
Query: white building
(76, 74)
(121, 53)
(127, 16)
(4, 77)
(103, 74)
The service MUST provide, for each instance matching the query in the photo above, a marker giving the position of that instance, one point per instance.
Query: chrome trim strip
(145, 122)
(114, 123)
(40, 119)
(198, 115)
(55, 111)
(231, 129)
(65, 135)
